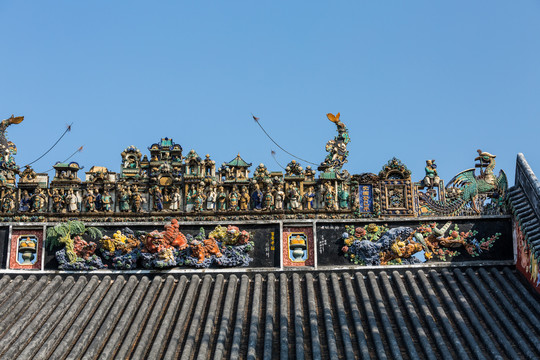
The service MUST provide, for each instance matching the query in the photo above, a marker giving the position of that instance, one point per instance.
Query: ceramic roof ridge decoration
(168, 182)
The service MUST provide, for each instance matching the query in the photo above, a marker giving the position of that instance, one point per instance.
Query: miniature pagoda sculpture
(165, 161)
(193, 165)
(238, 169)
(209, 167)
(131, 163)
(66, 173)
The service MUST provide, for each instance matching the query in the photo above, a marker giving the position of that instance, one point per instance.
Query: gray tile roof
(448, 313)
(525, 214)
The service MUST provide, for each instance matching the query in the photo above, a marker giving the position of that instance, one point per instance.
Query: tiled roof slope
(483, 313)
(524, 201)
(524, 213)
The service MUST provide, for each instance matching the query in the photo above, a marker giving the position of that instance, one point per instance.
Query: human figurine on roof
(24, 204)
(158, 199)
(99, 203)
(329, 201)
(268, 201)
(343, 197)
(190, 197)
(199, 199)
(71, 201)
(221, 199)
(123, 199)
(243, 202)
(257, 198)
(309, 198)
(176, 200)
(8, 201)
(90, 201)
(233, 199)
(107, 202)
(166, 197)
(136, 200)
(279, 198)
(432, 178)
(57, 200)
(38, 201)
(211, 197)
(294, 198)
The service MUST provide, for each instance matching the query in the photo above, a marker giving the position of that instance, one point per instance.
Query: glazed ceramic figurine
(309, 198)
(107, 202)
(166, 197)
(8, 201)
(329, 200)
(98, 201)
(233, 199)
(211, 197)
(199, 199)
(431, 179)
(268, 201)
(221, 199)
(38, 201)
(355, 199)
(57, 200)
(343, 197)
(90, 201)
(279, 198)
(294, 198)
(136, 200)
(243, 202)
(24, 204)
(257, 198)
(158, 199)
(71, 201)
(176, 200)
(123, 199)
(190, 197)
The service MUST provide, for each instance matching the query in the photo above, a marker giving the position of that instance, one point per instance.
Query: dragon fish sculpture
(7, 148)
(336, 149)
(466, 187)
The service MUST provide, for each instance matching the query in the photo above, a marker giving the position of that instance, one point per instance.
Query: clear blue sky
(413, 79)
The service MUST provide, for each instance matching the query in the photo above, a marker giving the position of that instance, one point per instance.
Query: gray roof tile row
(524, 213)
(409, 313)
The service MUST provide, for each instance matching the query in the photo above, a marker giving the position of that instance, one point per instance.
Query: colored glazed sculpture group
(128, 250)
(167, 181)
(378, 245)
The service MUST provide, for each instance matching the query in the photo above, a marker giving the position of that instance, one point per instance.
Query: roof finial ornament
(337, 149)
